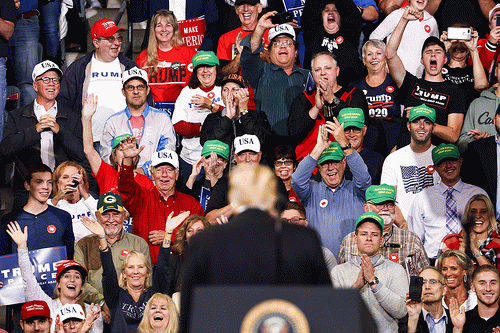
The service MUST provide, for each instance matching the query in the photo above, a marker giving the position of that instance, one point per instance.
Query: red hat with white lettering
(71, 264)
(104, 28)
(35, 309)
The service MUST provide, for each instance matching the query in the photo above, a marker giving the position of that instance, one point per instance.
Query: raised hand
(93, 226)
(266, 21)
(337, 130)
(174, 221)
(19, 236)
(222, 219)
(90, 106)
(242, 96)
(92, 314)
(472, 43)
(129, 147)
(412, 14)
(457, 314)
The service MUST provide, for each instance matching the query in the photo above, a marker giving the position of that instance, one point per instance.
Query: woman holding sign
(167, 60)
(127, 295)
(70, 279)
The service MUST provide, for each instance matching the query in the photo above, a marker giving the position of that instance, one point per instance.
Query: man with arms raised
(445, 97)
(382, 284)
(333, 203)
(151, 207)
(398, 245)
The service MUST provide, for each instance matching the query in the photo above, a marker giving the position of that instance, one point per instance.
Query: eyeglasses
(388, 205)
(112, 39)
(294, 220)
(431, 282)
(283, 162)
(47, 80)
(283, 43)
(353, 129)
(131, 88)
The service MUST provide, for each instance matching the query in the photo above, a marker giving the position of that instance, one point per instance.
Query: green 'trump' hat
(332, 153)
(109, 201)
(380, 193)
(352, 117)
(422, 111)
(216, 146)
(370, 217)
(445, 150)
(207, 58)
(118, 139)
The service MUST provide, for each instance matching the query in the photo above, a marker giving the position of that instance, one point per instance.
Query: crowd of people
(365, 140)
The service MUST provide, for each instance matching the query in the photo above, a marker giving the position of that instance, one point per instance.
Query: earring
(465, 278)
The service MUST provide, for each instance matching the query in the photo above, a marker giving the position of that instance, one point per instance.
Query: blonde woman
(167, 60)
(160, 316)
(127, 295)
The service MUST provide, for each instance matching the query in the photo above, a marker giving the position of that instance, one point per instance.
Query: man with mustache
(398, 245)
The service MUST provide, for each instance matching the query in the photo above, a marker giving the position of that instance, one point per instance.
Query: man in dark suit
(244, 251)
(429, 315)
(480, 163)
(42, 131)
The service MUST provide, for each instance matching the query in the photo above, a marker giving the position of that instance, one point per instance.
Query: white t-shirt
(46, 137)
(105, 82)
(186, 111)
(410, 172)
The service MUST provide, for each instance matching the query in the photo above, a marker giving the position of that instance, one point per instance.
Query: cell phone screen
(415, 292)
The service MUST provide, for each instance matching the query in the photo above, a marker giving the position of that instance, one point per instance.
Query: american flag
(415, 179)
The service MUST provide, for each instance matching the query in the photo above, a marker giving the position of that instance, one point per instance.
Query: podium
(297, 309)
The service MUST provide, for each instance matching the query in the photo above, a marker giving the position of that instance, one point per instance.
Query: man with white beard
(399, 245)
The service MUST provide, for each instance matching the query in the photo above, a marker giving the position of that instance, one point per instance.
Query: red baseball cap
(104, 28)
(35, 309)
(71, 264)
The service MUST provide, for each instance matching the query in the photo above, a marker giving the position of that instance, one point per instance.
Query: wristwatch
(346, 147)
(374, 282)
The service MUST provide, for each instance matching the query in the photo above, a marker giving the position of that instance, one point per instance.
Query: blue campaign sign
(295, 7)
(43, 262)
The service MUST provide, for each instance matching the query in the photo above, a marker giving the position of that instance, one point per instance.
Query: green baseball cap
(118, 139)
(207, 58)
(352, 117)
(380, 193)
(109, 201)
(216, 146)
(422, 111)
(332, 153)
(370, 217)
(443, 151)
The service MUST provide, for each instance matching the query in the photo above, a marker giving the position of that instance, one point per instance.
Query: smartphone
(281, 18)
(415, 291)
(459, 33)
(75, 183)
(498, 20)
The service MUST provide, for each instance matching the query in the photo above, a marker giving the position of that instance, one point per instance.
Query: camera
(459, 33)
(281, 18)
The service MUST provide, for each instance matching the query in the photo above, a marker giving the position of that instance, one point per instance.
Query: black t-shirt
(374, 163)
(7, 13)
(464, 78)
(444, 97)
(475, 324)
(385, 114)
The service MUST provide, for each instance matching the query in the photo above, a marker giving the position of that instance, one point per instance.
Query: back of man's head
(253, 185)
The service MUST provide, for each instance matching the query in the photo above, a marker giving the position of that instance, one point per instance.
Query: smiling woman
(70, 279)
(160, 316)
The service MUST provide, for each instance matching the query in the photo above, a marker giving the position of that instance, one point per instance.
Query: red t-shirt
(172, 73)
(107, 179)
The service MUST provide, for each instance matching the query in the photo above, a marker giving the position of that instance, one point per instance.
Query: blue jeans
(50, 24)
(25, 54)
(3, 93)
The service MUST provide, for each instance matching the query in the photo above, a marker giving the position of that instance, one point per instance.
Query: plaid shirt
(399, 245)
(490, 247)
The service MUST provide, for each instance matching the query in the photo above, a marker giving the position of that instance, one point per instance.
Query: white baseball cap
(282, 29)
(165, 156)
(135, 73)
(70, 311)
(44, 67)
(246, 142)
